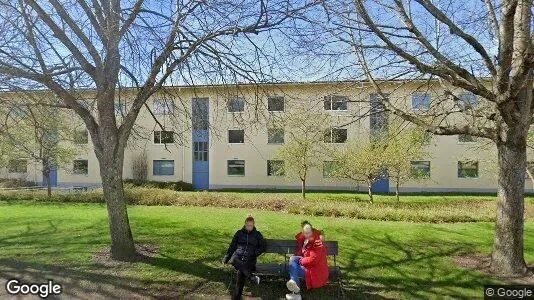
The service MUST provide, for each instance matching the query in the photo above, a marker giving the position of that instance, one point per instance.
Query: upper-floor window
(275, 104)
(236, 136)
(468, 169)
(163, 137)
(420, 169)
(420, 101)
(163, 107)
(17, 166)
(468, 99)
(17, 112)
(335, 102)
(120, 109)
(80, 167)
(236, 104)
(335, 135)
(275, 135)
(81, 137)
(466, 138)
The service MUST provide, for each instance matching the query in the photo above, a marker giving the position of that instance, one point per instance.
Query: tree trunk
(369, 190)
(122, 244)
(46, 177)
(397, 184)
(507, 255)
(303, 188)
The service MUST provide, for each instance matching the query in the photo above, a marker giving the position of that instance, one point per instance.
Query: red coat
(314, 260)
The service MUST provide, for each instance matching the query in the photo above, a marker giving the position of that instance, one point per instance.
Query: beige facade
(445, 152)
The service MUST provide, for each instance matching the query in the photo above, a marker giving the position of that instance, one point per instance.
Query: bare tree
(481, 47)
(66, 46)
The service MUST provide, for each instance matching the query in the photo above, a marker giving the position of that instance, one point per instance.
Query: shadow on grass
(373, 267)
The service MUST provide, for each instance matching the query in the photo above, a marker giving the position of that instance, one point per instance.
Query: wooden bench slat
(290, 246)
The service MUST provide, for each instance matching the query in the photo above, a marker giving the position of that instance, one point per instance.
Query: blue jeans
(297, 272)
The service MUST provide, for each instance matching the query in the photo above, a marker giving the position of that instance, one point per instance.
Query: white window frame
(74, 169)
(160, 143)
(329, 98)
(426, 108)
(236, 175)
(235, 98)
(228, 135)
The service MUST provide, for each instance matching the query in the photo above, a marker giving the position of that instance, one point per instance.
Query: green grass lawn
(379, 259)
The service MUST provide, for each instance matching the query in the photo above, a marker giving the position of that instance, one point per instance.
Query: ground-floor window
(275, 168)
(163, 167)
(468, 169)
(80, 166)
(421, 169)
(236, 168)
(17, 166)
(331, 169)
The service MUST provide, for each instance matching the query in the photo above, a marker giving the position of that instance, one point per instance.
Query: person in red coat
(309, 265)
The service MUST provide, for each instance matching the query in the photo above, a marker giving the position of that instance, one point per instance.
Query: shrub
(15, 183)
(467, 210)
(166, 185)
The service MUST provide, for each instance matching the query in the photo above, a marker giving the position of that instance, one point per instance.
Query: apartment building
(226, 136)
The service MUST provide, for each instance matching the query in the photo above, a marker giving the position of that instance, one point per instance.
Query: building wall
(444, 151)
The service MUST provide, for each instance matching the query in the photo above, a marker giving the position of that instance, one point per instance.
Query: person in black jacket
(246, 246)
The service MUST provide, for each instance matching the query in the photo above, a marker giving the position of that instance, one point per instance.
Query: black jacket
(245, 246)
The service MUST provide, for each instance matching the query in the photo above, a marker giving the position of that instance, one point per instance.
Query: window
(378, 119)
(336, 135)
(469, 100)
(81, 137)
(275, 136)
(236, 136)
(236, 104)
(17, 112)
(530, 168)
(163, 107)
(275, 168)
(275, 104)
(420, 101)
(200, 152)
(427, 138)
(120, 109)
(420, 169)
(468, 169)
(331, 169)
(17, 166)
(80, 167)
(86, 103)
(466, 138)
(335, 102)
(163, 167)
(163, 137)
(236, 168)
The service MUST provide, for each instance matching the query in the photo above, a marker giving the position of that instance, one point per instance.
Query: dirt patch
(144, 252)
(481, 263)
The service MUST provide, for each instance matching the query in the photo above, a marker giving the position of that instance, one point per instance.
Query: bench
(287, 248)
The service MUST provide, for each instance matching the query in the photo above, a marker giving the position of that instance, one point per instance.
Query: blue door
(201, 168)
(53, 177)
(381, 185)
